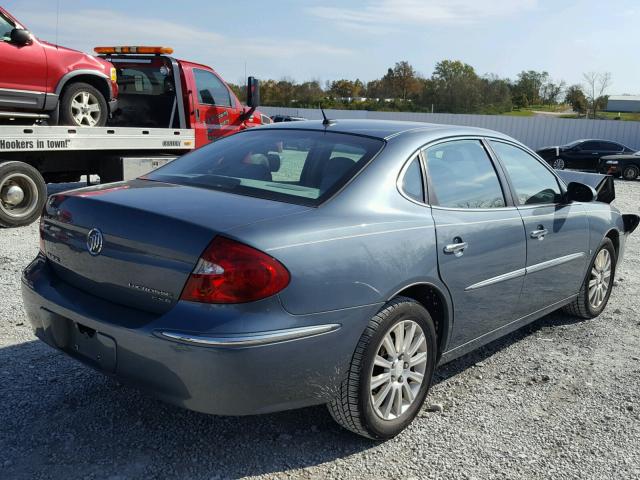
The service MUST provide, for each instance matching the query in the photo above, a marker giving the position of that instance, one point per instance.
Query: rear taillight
(231, 272)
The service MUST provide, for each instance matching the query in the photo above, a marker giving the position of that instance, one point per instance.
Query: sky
(327, 40)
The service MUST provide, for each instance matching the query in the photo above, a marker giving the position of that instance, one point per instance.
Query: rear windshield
(297, 166)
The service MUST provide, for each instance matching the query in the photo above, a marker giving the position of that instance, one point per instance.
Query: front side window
(297, 166)
(590, 146)
(412, 184)
(211, 90)
(5, 29)
(461, 175)
(532, 181)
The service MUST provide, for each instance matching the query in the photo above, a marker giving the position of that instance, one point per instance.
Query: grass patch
(519, 113)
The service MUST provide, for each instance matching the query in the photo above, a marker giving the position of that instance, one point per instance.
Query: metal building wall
(619, 105)
(535, 132)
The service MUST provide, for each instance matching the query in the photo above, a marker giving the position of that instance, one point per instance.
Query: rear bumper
(229, 369)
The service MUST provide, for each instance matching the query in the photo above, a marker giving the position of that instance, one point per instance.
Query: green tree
(530, 83)
(456, 87)
(575, 97)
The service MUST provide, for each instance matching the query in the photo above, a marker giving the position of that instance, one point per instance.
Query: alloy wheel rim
(558, 164)
(600, 279)
(85, 109)
(18, 195)
(630, 174)
(398, 370)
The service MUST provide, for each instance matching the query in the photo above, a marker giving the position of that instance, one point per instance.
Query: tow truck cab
(157, 90)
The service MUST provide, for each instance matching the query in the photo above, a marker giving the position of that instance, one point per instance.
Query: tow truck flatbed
(47, 139)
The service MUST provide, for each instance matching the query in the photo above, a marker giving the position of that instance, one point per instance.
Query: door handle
(539, 233)
(456, 248)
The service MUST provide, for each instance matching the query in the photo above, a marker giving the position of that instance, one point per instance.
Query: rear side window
(412, 184)
(211, 90)
(461, 175)
(298, 166)
(611, 147)
(533, 182)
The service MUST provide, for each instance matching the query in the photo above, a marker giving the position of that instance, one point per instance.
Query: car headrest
(334, 169)
(274, 161)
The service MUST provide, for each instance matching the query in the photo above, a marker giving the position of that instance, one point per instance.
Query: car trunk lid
(146, 236)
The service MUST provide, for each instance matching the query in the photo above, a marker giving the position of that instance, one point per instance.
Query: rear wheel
(22, 194)
(596, 288)
(559, 164)
(83, 105)
(390, 372)
(631, 172)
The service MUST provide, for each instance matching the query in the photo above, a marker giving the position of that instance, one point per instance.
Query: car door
(215, 114)
(480, 238)
(23, 70)
(586, 158)
(557, 232)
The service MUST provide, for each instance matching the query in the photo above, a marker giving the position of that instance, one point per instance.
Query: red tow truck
(166, 107)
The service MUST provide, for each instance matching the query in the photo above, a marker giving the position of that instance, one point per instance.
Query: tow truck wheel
(83, 106)
(22, 194)
(631, 173)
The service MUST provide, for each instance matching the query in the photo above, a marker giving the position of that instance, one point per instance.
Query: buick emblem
(94, 241)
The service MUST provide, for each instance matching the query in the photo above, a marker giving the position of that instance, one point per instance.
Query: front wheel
(83, 105)
(631, 172)
(559, 164)
(22, 194)
(390, 372)
(596, 288)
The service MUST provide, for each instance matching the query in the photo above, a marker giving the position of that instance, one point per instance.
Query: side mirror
(20, 37)
(253, 93)
(579, 192)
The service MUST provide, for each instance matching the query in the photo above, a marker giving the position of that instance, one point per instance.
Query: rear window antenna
(326, 122)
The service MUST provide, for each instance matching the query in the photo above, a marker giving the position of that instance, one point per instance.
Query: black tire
(559, 164)
(352, 408)
(631, 172)
(96, 100)
(581, 307)
(33, 188)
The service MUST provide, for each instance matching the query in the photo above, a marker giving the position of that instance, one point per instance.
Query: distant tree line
(453, 87)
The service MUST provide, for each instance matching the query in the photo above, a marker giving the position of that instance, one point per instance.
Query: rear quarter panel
(604, 218)
(359, 248)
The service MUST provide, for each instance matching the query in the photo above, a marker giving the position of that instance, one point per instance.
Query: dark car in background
(625, 165)
(581, 154)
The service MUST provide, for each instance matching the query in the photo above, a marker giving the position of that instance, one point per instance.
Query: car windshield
(5, 28)
(297, 166)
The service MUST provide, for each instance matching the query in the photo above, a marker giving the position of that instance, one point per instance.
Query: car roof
(582, 140)
(385, 129)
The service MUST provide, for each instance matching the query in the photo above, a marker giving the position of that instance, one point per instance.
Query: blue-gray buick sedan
(318, 263)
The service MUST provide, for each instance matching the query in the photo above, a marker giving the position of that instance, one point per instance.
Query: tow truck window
(5, 29)
(211, 90)
(144, 81)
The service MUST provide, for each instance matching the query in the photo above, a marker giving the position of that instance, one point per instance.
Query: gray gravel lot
(557, 399)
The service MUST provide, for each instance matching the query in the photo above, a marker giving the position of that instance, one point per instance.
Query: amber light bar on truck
(138, 50)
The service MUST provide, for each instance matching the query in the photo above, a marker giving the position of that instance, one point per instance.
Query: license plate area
(80, 341)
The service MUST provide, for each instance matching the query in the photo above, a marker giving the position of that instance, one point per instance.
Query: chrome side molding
(248, 339)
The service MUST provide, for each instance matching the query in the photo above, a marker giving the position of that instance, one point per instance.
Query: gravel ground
(557, 399)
